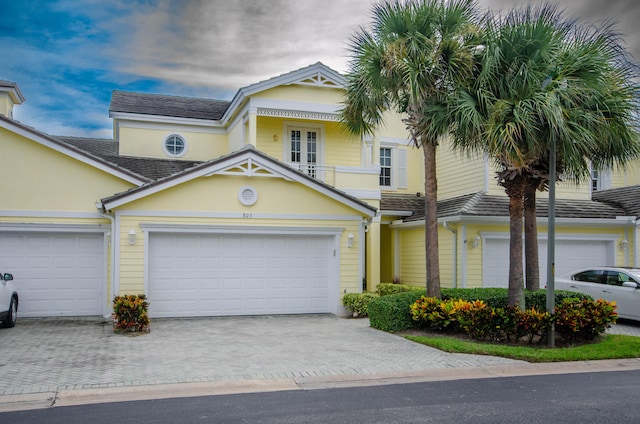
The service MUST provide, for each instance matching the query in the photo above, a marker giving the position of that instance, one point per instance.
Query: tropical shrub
(130, 313)
(584, 319)
(576, 319)
(534, 324)
(357, 303)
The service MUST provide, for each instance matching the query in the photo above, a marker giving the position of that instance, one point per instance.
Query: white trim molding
(238, 229)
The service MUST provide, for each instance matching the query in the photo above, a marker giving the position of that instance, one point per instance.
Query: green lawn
(610, 346)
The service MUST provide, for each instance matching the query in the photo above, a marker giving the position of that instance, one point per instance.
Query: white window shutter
(402, 168)
(605, 179)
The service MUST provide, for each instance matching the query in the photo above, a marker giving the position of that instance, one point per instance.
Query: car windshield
(635, 273)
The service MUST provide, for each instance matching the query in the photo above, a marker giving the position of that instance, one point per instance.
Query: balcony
(326, 174)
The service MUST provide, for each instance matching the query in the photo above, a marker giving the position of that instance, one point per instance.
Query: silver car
(8, 301)
(621, 285)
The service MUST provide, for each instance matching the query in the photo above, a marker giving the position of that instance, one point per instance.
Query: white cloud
(204, 48)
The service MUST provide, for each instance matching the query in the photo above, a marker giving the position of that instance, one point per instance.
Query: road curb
(177, 390)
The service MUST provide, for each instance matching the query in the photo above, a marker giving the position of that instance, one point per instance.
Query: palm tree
(540, 76)
(410, 61)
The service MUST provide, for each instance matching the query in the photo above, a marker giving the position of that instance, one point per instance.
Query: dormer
(10, 95)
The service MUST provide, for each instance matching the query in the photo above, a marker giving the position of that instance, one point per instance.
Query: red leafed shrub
(576, 319)
(130, 313)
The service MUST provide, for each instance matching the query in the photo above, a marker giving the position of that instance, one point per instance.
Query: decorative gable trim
(245, 162)
(318, 75)
(297, 114)
(248, 168)
(320, 79)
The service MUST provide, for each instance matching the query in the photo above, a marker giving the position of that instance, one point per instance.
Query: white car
(621, 285)
(8, 301)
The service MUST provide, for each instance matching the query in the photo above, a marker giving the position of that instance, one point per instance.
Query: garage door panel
(57, 274)
(243, 274)
(570, 255)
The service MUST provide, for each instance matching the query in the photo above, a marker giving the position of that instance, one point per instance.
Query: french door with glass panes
(304, 146)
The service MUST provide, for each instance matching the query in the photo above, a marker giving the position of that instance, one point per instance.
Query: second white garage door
(239, 274)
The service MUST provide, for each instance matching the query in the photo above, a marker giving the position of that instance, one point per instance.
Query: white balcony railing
(326, 174)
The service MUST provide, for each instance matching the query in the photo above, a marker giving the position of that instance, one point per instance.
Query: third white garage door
(239, 274)
(570, 255)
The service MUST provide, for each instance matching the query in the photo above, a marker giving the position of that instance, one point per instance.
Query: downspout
(364, 229)
(454, 271)
(112, 220)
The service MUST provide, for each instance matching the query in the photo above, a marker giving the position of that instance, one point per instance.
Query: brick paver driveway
(47, 355)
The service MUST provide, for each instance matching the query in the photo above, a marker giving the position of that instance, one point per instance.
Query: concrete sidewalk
(45, 362)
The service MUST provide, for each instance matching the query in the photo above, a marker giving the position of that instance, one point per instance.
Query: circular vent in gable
(247, 195)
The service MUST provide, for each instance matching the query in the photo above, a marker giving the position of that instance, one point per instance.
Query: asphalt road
(565, 398)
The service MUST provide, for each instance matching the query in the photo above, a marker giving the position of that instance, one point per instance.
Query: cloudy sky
(68, 55)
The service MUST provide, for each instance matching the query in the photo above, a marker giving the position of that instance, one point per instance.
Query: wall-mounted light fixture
(350, 238)
(475, 242)
(132, 237)
(623, 244)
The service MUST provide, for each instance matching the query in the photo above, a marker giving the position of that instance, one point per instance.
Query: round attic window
(175, 146)
(247, 195)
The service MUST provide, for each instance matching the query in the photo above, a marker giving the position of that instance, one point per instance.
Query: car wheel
(13, 315)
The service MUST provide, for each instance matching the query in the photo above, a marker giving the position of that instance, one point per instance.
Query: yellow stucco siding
(34, 180)
(337, 148)
(270, 137)
(145, 142)
(220, 194)
(302, 93)
(415, 171)
(356, 180)
(629, 175)
(235, 139)
(392, 126)
(387, 248)
(458, 174)
(412, 257)
(342, 148)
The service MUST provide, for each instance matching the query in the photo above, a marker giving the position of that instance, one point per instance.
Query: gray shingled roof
(164, 105)
(627, 198)
(107, 149)
(484, 205)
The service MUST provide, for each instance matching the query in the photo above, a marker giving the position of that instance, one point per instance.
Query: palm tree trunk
(532, 265)
(515, 191)
(431, 218)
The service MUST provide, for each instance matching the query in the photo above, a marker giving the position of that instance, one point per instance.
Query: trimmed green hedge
(393, 312)
(357, 303)
(385, 289)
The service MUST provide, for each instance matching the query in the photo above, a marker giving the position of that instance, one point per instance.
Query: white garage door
(55, 274)
(570, 255)
(238, 274)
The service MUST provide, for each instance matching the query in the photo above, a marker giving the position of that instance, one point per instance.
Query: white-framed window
(385, 166)
(393, 167)
(303, 147)
(600, 179)
(175, 146)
